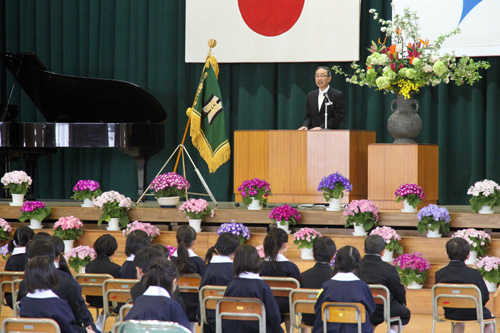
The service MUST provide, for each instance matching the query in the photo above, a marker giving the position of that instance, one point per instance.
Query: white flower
(427, 68)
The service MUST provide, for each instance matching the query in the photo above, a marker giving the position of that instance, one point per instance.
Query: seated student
(345, 286)
(156, 302)
(136, 240)
(323, 251)
(456, 271)
(248, 283)
(373, 270)
(41, 302)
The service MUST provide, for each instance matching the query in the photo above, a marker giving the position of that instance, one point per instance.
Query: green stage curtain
(143, 42)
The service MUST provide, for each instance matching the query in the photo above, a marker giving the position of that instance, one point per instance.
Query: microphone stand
(327, 103)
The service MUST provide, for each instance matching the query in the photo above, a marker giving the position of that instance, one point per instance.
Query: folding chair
(208, 301)
(281, 286)
(189, 283)
(142, 326)
(301, 301)
(124, 310)
(345, 313)
(6, 279)
(92, 285)
(14, 287)
(458, 296)
(115, 290)
(240, 308)
(45, 325)
(381, 295)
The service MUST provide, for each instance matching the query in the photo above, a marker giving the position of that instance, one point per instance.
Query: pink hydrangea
(195, 208)
(68, 222)
(305, 237)
(148, 228)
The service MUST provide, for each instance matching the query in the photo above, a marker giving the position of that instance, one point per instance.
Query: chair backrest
(302, 300)
(14, 286)
(30, 325)
(124, 310)
(116, 290)
(281, 286)
(456, 296)
(92, 283)
(240, 308)
(139, 326)
(6, 279)
(189, 283)
(208, 299)
(339, 312)
(382, 295)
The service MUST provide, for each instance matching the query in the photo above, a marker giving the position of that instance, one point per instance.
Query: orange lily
(392, 48)
(369, 67)
(385, 39)
(411, 60)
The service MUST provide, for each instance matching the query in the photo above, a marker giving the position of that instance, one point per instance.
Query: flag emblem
(212, 107)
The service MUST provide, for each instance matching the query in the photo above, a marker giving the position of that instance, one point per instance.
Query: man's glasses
(321, 76)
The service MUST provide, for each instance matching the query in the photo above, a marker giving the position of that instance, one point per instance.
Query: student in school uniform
(136, 240)
(345, 286)
(156, 302)
(248, 283)
(219, 270)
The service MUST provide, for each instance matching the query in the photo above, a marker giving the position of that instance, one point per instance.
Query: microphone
(328, 99)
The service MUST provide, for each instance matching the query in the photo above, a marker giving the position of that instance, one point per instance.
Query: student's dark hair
(186, 236)
(22, 237)
(162, 274)
(59, 251)
(457, 249)
(41, 235)
(144, 257)
(162, 248)
(246, 259)
(374, 244)
(136, 240)
(41, 247)
(329, 72)
(40, 274)
(347, 260)
(273, 242)
(324, 249)
(105, 246)
(226, 244)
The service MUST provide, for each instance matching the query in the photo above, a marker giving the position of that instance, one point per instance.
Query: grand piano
(81, 113)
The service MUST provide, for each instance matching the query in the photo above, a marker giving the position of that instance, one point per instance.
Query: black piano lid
(71, 99)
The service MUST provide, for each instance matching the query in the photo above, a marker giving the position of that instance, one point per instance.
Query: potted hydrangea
(413, 269)
(362, 214)
(115, 207)
(36, 212)
(254, 193)
(284, 216)
(168, 188)
(485, 196)
(305, 239)
(333, 187)
(69, 229)
(434, 220)
(86, 191)
(17, 183)
(195, 210)
(478, 240)
(411, 194)
(392, 242)
(5, 230)
(490, 271)
(148, 228)
(79, 257)
(237, 229)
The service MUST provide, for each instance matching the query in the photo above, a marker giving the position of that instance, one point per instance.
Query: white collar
(19, 250)
(220, 260)
(250, 275)
(321, 92)
(156, 291)
(131, 257)
(56, 264)
(345, 277)
(190, 252)
(279, 257)
(42, 294)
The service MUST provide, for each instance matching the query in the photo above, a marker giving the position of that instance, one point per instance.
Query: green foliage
(38, 214)
(86, 194)
(114, 210)
(367, 219)
(412, 199)
(428, 223)
(17, 188)
(68, 234)
(409, 275)
(481, 200)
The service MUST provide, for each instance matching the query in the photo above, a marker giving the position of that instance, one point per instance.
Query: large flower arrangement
(80, 256)
(306, 237)
(489, 268)
(36, 210)
(86, 189)
(114, 205)
(195, 208)
(391, 237)
(284, 213)
(412, 193)
(412, 268)
(237, 229)
(410, 62)
(68, 228)
(361, 212)
(169, 184)
(484, 193)
(478, 240)
(148, 228)
(17, 182)
(334, 185)
(432, 217)
(5, 229)
(255, 188)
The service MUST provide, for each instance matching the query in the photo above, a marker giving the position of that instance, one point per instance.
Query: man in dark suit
(373, 270)
(317, 101)
(457, 272)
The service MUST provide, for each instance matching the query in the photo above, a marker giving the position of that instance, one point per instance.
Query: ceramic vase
(404, 124)
(284, 227)
(414, 285)
(113, 224)
(359, 230)
(388, 256)
(306, 253)
(17, 199)
(408, 208)
(472, 258)
(255, 205)
(485, 210)
(35, 224)
(334, 205)
(195, 224)
(433, 233)
(492, 286)
(168, 202)
(87, 203)
(68, 245)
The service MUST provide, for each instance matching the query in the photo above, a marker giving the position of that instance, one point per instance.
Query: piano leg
(141, 163)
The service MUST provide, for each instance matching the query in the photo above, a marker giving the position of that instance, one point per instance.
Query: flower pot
(414, 285)
(284, 227)
(433, 233)
(388, 256)
(168, 202)
(472, 258)
(485, 210)
(306, 253)
(404, 124)
(195, 224)
(35, 224)
(492, 286)
(408, 208)
(255, 205)
(17, 199)
(81, 269)
(68, 245)
(87, 203)
(113, 224)
(359, 230)
(334, 205)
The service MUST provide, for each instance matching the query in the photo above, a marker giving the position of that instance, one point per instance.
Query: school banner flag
(208, 127)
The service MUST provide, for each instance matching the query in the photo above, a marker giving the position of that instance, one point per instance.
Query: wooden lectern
(294, 162)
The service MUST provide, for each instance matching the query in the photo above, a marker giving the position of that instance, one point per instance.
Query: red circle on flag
(270, 18)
